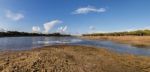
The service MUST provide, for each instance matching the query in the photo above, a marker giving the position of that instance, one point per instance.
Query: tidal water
(26, 43)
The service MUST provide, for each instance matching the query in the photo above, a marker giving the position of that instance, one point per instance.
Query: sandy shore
(64, 58)
(139, 41)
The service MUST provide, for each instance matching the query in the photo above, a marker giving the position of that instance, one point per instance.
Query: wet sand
(67, 58)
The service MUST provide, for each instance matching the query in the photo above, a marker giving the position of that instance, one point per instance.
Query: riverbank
(139, 41)
(67, 58)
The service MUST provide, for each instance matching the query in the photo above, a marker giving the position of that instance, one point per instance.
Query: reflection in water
(25, 43)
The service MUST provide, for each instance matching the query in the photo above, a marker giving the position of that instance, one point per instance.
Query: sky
(74, 16)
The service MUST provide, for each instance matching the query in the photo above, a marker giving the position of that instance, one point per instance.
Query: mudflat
(69, 58)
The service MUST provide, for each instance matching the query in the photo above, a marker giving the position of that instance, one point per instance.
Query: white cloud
(91, 27)
(14, 16)
(62, 29)
(88, 9)
(49, 25)
(36, 29)
(2, 30)
(142, 28)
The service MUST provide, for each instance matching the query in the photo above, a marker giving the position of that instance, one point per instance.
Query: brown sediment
(139, 41)
(68, 58)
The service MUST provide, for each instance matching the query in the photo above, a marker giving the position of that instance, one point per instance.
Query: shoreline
(70, 58)
(137, 41)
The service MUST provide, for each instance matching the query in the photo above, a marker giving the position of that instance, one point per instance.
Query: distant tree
(16, 33)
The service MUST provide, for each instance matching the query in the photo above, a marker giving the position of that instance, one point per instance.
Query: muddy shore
(67, 58)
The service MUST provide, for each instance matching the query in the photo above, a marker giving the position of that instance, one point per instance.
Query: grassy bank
(71, 59)
(140, 41)
(125, 33)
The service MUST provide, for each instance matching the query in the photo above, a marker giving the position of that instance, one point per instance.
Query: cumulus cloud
(62, 29)
(49, 25)
(14, 16)
(88, 9)
(36, 29)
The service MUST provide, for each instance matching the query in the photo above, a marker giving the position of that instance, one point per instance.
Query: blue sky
(74, 16)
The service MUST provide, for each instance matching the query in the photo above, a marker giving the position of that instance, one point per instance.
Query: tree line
(16, 34)
(132, 33)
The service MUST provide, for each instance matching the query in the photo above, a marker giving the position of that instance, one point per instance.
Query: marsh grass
(139, 41)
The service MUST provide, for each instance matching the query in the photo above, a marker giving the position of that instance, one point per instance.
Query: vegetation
(132, 33)
(15, 33)
(138, 41)
(139, 38)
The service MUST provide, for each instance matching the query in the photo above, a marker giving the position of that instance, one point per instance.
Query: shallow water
(25, 43)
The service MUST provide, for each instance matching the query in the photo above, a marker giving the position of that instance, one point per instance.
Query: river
(26, 43)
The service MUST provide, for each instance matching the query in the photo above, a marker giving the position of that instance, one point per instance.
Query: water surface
(25, 43)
